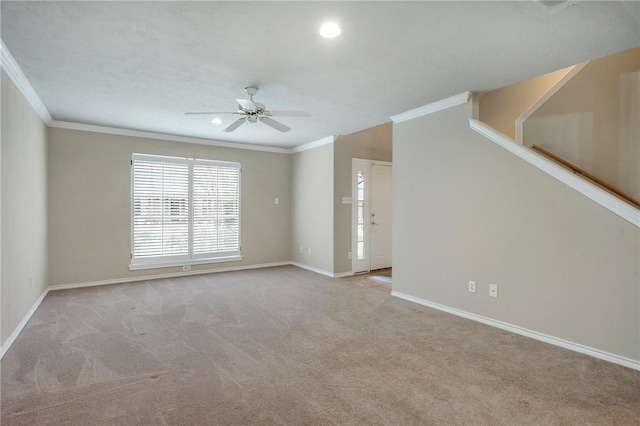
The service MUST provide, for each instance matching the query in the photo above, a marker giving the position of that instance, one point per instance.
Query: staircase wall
(593, 121)
(501, 107)
(467, 209)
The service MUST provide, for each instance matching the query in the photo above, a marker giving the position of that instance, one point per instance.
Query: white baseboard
(322, 271)
(312, 269)
(576, 347)
(169, 275)
(7, 344)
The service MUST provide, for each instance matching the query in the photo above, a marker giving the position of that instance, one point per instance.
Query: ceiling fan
(255, 112)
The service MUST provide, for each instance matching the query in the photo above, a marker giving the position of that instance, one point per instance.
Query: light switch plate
(493, 290)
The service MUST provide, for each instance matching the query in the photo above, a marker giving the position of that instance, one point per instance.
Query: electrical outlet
(186, 268)
(493, 290)
(301, 249)
(276, 201)
(349, 255)
(472, 286)
(309, 250)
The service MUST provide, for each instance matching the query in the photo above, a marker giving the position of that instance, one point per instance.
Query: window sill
(186, 263)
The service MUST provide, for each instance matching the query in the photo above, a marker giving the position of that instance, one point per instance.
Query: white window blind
(184, 210)
(216, 209)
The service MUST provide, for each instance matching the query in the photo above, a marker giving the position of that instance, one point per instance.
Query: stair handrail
(577, 170)
(589, 189)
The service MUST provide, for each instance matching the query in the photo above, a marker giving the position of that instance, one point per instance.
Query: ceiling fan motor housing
(251, 91)
(255, 112)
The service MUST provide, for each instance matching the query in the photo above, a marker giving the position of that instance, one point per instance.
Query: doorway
(371, 215)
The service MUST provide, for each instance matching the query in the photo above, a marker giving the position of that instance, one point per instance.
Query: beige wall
(312, 213)
(374, 143)
(594, 121)
(466, 209)
(24, 207)
(89, 204)
(501, 107)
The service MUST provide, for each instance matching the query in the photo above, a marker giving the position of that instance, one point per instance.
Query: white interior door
(371, 215)
(380, 235)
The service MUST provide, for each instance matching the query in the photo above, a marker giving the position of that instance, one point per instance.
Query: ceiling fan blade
(239, 122)
(290, 113)
(275, 124)
(209, 113)
(246, 104)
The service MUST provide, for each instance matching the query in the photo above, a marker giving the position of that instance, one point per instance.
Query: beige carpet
(287, 346)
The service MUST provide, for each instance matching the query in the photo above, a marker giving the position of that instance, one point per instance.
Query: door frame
(361, 164)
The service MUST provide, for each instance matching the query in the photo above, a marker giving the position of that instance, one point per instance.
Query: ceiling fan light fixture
(252, 112)
(330, 30)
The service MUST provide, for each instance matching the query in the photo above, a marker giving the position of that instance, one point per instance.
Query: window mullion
(191, 209)
(163, 213)
(217, 203)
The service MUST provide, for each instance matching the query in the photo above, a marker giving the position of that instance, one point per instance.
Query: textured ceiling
(141, 65)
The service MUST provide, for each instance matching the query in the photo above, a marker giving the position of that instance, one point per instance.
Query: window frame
(190, 258)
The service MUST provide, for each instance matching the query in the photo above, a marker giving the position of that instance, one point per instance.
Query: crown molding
(12, 68)
(14, 72)
(586, 188)
(314, 144)
(449, 102)
(162, 136)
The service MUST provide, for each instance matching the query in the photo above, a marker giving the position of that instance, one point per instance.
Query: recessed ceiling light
(330, 30)
(216, 121)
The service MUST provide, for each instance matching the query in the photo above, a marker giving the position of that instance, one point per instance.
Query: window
(360, 217)
(184, 211)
